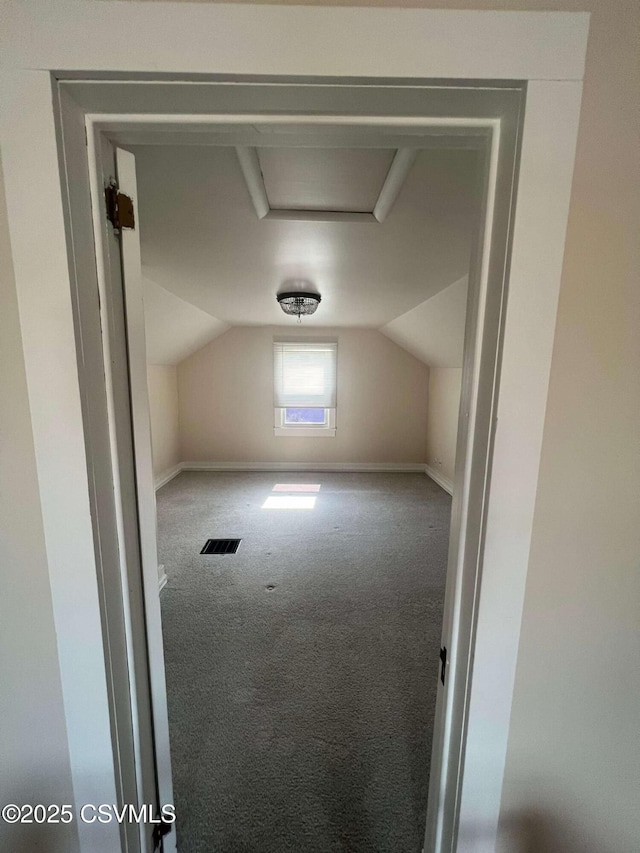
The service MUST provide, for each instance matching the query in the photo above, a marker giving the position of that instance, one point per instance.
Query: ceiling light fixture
(299, 302)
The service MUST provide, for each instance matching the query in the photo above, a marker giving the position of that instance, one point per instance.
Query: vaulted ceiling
(203, 242)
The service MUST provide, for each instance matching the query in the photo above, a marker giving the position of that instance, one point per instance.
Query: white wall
(226, 401)
(163, 413)
(434, 333)
(174, 328)
(434, 330)
(572, 780)
(35, 764)
(442, 420)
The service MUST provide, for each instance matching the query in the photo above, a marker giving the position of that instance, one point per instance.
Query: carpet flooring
(302, 671)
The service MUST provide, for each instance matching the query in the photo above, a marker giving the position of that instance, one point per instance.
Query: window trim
(281, 429)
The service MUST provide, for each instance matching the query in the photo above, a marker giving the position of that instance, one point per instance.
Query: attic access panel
(346, 179)
(325, 185)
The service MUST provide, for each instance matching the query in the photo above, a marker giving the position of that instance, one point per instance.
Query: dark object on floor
(301, 720)
(221, 546)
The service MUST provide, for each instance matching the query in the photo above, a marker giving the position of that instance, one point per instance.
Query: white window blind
(304, 374)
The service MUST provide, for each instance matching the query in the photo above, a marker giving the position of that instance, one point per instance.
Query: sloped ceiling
(434, 330)
(201, 239)
(174, 328)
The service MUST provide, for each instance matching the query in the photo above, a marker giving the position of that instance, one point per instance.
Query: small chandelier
(298, 302)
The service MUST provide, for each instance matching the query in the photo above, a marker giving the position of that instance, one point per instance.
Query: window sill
(305, 432)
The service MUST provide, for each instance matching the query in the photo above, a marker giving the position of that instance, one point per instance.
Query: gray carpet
(301, 715)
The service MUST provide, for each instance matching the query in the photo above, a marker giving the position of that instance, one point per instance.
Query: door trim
(487, 287)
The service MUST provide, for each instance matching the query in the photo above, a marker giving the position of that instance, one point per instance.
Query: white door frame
(478, 395)
(546, 49)
(496, 138)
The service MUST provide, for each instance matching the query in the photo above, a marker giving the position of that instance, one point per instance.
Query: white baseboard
(354, 467)
(437, 477)
(164, 478)
(162, 578)
(320, 467)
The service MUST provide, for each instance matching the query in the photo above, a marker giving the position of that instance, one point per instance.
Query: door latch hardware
(159, 831)
(443, 662)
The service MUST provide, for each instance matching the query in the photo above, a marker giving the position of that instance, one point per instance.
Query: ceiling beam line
(396, 176)
(294, 215)
(252, 172)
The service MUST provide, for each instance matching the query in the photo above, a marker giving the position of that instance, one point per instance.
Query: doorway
(475, 133)
(311, 656)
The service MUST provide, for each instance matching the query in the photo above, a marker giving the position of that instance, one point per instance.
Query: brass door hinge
(119, 208)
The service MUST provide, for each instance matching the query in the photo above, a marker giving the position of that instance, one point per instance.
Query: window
(309, 417)
(304, 375)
